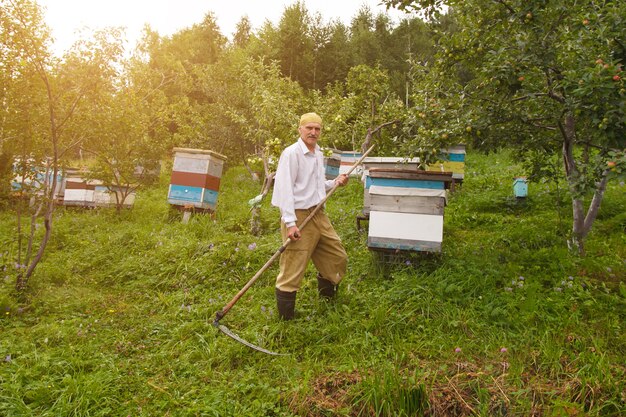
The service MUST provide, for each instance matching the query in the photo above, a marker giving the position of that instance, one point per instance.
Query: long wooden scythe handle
(220, 314)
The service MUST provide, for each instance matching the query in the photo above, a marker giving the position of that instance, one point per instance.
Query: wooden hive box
(128, 202)
(331, 166)
(105, 196)
(403, 178)
(389, 162)
(42, 175)
(101, 195)
(406, 209)
(195, 178)
(348, 158)
(455, 163)
(520, 187)
(78, 191)
(382, 162)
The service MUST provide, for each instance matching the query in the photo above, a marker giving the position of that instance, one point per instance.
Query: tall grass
(505, 321)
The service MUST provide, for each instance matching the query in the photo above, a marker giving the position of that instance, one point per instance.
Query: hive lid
(415, 174)
(201, 152)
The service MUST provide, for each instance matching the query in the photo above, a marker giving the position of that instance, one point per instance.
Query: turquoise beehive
(520, 187)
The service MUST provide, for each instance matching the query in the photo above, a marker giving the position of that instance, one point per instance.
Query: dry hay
(329, 393)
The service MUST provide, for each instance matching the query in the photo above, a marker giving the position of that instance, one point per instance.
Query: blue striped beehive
(454, 162)
(406, 209)
(348, 159)
(331, 166)
(195, 178)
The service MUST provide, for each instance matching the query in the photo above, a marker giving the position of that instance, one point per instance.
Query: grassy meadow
(504, 322)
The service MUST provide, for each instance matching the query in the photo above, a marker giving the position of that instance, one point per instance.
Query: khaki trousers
(320, 243)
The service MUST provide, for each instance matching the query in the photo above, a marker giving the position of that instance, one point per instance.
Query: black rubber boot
(325, 288)
(286, 303)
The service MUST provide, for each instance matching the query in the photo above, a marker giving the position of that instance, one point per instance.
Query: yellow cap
(310, 118)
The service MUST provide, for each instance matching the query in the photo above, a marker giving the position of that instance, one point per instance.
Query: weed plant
(505, 321)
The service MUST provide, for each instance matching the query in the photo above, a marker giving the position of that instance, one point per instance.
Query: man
(300, 185)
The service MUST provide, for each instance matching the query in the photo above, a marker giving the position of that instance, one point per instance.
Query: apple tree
(44, 94)
(125, 156)
(364, 101)
(543, 77)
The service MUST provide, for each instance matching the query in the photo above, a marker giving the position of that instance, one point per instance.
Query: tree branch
(508, 7)
(537, 125)
(70, 146)
(556, 96)
(592, 145)
(370, 133)
(529, 96)
(594, 207)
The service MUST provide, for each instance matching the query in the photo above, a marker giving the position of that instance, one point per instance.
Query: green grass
(118, 319)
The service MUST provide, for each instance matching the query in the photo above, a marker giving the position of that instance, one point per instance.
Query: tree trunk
(582, 221)
(572, 174)
(49, 195)
(22, 279)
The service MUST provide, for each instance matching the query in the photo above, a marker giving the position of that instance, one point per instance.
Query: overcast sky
(65, 17)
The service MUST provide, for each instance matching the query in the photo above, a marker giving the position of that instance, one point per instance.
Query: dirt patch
(329, 393)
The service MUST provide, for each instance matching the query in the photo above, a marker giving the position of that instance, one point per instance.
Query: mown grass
(505, 321)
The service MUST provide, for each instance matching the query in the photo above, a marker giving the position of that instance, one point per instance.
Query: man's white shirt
(300, 181)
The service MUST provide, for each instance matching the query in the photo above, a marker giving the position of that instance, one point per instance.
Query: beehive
(79, 191)
(105, 196)
(520, 187)
(406, 209)
(195, 181)
(348, 159)
(39, 180)
(455, 162)
(332, 165)
(389, 162)
(383, 162)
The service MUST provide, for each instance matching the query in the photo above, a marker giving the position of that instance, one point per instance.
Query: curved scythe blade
(232, 335)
